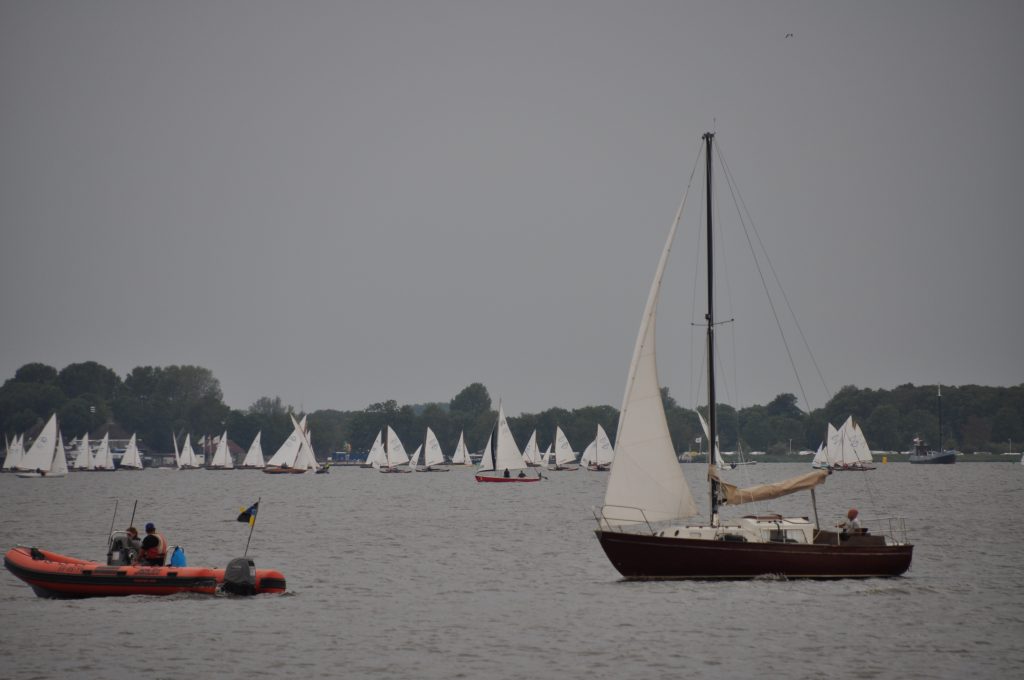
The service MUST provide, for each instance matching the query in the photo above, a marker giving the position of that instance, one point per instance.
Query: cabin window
(784, 536)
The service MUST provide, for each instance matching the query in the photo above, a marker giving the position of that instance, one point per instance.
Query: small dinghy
(52, 575)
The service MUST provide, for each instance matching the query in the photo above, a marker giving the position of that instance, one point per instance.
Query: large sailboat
(295, 455)
(644, 526)
(433, 456)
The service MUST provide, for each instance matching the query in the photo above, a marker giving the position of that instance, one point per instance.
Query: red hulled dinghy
(53, 575)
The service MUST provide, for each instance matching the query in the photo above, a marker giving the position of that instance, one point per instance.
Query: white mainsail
(131, 458)
(40, 455)
(433, 455)
(222, 456)
(83, 461)
(861, 450)
(564, 455)
(15, 452)
(59, 464)
(288, 451)
(505, 454)
(177, 453)
(604, 453)
(377, 457)
(646, 482)
(188, 458)
(396, 454)
(461, 455)
(254, 457)
(104, 460)
(589, 453)
(820, 460)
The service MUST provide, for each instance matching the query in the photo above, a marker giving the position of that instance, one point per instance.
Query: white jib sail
(376, 457)
(15, 452)
(860, 445)
(589, 453)
(254, 456)
(646, 475)
(530, 452)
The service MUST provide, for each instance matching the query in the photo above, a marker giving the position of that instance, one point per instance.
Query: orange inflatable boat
(58, 576)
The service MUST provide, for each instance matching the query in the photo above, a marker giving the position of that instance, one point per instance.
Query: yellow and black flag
(249, 514)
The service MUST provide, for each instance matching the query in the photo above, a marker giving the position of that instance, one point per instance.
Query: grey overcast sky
(346, 202)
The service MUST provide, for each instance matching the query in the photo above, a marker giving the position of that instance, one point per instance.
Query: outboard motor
(240, 577)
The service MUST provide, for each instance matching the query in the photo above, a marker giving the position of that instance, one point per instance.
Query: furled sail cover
(762, 492)
(646, 482)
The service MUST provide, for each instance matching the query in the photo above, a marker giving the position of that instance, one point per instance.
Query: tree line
(156, 402)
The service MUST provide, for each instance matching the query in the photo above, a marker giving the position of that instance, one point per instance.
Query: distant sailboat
(131, 460)
(83, 461)
(921, 454)
(847, 449)
(461, 454)
(395, 455)
(433, 456)
(222, 456)
(254, 457)
(104, 459)
(602, 454)
(15, 452)
(531, 454)
(188, 460)
(295, 456)
(502, 461)
(46, 457)
(376, 457)
(565, 457)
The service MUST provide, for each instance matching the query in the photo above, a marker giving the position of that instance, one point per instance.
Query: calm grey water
(436, 576)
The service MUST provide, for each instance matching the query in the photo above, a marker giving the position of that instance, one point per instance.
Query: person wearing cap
(852, 524)
(154, 547)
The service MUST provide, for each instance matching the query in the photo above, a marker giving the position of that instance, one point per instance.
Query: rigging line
(764, 283)
(778, 281)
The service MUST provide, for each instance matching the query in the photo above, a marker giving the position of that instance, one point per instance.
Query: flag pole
(252, 526)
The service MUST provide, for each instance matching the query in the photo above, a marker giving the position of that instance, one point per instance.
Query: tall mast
(940, 418)
(710, 317)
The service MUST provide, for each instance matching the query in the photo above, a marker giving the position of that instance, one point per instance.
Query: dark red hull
(646, 557)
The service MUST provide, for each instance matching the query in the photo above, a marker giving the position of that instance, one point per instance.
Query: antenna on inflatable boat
(112, 520)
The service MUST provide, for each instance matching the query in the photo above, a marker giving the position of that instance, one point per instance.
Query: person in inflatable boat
(154, 547)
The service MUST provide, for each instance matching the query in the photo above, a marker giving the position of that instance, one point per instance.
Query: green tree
(473, 400)
(88, 378)
(883, 428)
(36, 373)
